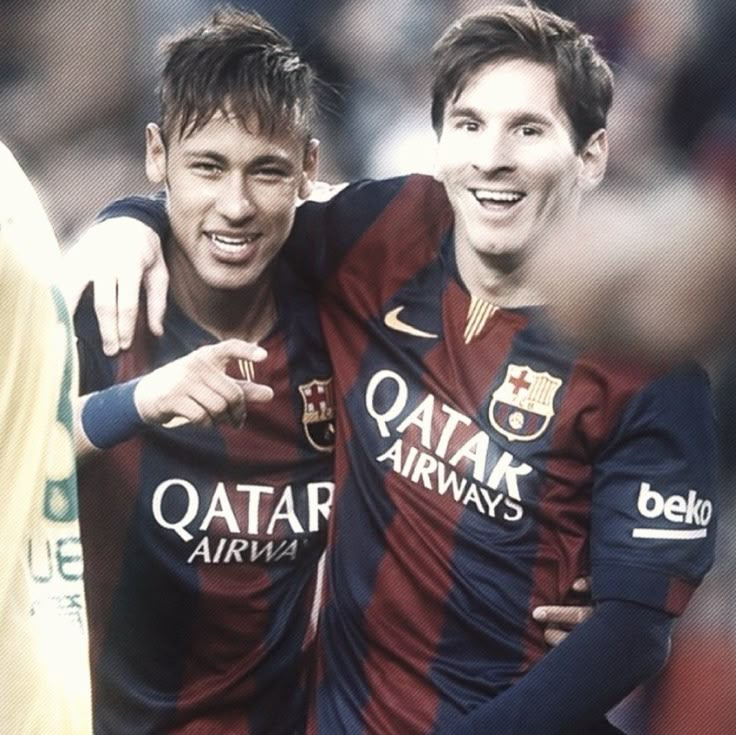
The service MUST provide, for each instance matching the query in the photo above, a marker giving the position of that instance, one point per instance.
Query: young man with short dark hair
(202, 540)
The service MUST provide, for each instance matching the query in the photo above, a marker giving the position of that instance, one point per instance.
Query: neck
(247, 313)
(502, 280)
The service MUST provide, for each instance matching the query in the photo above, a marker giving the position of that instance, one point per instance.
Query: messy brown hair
(584, 79)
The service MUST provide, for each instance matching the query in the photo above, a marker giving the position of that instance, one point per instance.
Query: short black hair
(237, 64)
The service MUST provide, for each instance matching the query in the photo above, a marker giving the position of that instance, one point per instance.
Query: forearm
(572, 687)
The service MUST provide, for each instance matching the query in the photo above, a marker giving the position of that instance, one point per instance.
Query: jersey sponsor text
(490, 482)
(267, 526)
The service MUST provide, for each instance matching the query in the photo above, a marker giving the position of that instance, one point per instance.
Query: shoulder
(672, 407)
(630, 378)
(367, 199)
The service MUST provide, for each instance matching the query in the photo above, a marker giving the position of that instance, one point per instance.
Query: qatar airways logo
(251, 523)
(454, 457)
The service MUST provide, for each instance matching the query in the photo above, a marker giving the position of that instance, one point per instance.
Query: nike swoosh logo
(392, 321)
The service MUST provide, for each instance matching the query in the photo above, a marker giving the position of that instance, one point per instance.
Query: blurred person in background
(655, 274)
(655, 267)
(44, 675)
(68, 101)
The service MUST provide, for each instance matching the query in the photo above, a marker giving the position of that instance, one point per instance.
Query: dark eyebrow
(464, 112)
(518, 118)
(212, 155)
(272, 160)
(268, 159)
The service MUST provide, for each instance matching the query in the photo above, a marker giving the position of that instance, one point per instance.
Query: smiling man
(514, 171)
(202, 540)
(487, 464)
(482, 465)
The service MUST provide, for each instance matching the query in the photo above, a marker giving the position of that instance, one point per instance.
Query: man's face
(232, 197)
(508, 161)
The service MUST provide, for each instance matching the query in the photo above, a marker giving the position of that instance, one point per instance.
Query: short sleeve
(151, 211)
(653, 504)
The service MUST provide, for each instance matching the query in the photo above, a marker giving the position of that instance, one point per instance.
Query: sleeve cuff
(612, 581)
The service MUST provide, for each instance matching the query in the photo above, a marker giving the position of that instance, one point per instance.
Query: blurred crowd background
(77, 87)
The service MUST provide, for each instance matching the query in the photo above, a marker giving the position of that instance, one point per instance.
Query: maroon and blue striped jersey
(202, 544)
(481, 466)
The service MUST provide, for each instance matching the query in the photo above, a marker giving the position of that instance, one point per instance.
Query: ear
(155, 154)
(309, 173)
(594, 159)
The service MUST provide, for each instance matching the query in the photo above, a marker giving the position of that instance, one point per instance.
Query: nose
(494, 153)
(233, 199)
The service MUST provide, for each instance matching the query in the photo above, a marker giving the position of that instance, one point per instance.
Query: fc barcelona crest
(318, 415)
(522, 406)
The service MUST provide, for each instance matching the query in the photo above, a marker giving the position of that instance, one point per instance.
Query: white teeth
(501, 197)
(232, 244)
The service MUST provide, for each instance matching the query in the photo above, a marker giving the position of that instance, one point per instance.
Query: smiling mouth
(231, 245)
(496, 198)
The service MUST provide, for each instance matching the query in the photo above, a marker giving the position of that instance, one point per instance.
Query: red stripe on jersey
(404, 222)
(226, 722)
(109, 485)
(104, 520)
(427, 522)
(348, 340)
(217, 670)
(271, 433)
(468, 369)
(591, 408)
(404, 614)
(417, 238)
(416, 235)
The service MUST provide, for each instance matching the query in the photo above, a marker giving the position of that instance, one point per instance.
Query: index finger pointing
(238, 349)
(256, 392)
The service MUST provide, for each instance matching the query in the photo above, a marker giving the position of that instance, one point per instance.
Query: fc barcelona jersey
(202, 544)
(481, 466)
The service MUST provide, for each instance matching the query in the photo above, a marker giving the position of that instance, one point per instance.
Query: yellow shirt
(44, 674)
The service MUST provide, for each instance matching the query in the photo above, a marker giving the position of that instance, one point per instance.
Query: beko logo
(687, 510)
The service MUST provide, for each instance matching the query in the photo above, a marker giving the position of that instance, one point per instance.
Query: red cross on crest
(519, 381)
(316, 397)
